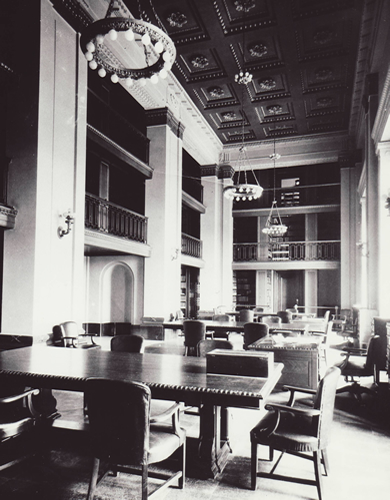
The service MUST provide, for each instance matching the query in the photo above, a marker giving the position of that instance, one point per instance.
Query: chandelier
(274, 227)
(242, 190)
(99, 38)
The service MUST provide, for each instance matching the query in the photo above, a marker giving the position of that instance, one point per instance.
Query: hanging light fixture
(98, 37)
(243, 190)
(274, 227)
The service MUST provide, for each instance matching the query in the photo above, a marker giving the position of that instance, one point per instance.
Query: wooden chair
(124, 436)
(17, 421)
(127, 343)
(361, 363)
(285, 316)
(194, 331)
(253, 332)
(298, 431)
(69, 334)
(246, 316)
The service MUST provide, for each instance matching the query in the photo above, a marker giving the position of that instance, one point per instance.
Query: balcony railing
(287, 251)
(106, 217)
(191, 246)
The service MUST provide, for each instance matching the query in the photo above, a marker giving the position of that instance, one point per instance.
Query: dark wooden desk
(170, 377)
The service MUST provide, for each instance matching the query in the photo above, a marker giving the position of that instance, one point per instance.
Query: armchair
(194, 331)
(298, 431)
(17, 420)
(68, 334)
(123, 435)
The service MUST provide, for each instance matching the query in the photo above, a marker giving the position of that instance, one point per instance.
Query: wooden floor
(359, 457)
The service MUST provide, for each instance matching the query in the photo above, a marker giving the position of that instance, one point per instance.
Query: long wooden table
(170, 377)
(219, 327)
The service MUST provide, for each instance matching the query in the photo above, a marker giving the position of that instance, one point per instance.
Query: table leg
(214, 446)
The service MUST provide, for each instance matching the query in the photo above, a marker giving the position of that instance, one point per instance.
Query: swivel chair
(194, 331)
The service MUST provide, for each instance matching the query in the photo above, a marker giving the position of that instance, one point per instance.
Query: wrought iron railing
(107, 217)
(191, 246)
(287, 251)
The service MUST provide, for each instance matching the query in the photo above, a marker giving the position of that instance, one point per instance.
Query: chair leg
(253, 465)
(145, 482)
(182, 479)
(317, 471)
(325, 462)
(93, 480)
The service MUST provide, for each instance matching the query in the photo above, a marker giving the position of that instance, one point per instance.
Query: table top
(169, 376)
(280, 342)
(233, 326)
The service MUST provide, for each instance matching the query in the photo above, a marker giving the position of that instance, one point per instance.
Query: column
(348, 222)
(216, 277)
(384, 229)
(311, 276)
(163, 206)
(43, 278)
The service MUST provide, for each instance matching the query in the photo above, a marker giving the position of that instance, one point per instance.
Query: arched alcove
(117, 293)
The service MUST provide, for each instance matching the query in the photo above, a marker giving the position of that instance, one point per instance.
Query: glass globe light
(129, 35)
(113, 34)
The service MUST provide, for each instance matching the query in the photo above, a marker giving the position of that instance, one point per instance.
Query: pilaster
(163, 207)
(216, 278)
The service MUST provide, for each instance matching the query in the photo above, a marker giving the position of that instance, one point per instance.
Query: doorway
(189, 299)
(289, 288)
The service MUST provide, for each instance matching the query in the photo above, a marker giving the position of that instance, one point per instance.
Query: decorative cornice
(7, 217)
(382, 115)
(224, 171)
(163, 116)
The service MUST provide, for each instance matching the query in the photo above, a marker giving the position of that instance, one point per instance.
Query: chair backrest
(285, 316)
(119, 417)
(70, 329)
(272, 321)
(207, 345)
(221, 317)
(194, 331)
(246, 315)
(324, 401)
(258, 309)
(127, 343)
(253, 332)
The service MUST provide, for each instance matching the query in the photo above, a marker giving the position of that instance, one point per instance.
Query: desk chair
(194, 331)
(246, 316)
(127, 343)
(361, 363)
(223, 318)
(285, 316)
(253, 332)
(17, 421)
(298, 431)
(124, 435)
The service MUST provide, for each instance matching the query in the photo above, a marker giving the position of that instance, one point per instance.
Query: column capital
(348, 159)
(383, 149)
(163, 116)
(220, 171)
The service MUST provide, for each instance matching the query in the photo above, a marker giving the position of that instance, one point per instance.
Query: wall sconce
(362, 246)
(387, 204)
(69, 220)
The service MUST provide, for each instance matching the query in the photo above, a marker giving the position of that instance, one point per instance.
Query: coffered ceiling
(302, 54)
(307, 57)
